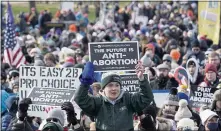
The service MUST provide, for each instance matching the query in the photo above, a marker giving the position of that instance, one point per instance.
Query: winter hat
(39, 63)
(72, 28)
(186, 124)
(147, 62)
(210, 67)
(53, 126)
(58, 114)
(182, 95)
(195, 43)
(109, 77)
(13, 73)
(175, 54)
(183, 111)
(70, 59)
(206, 115)
(150, 46)
(167, 57)
(172, 99)
(163, 66)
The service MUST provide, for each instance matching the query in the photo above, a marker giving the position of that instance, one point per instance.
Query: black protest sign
(130, 83)
(52, 97)
(117, 56)
(201, 96)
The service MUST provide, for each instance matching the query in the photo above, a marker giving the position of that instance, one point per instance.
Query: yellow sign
(209, 19)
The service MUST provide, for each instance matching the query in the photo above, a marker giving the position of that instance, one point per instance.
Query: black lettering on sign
(68, 72)
(28, 83)
(23, 94)
(75, 73)
(42, 71)
(36, 108)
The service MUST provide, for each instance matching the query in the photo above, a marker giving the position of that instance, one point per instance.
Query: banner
(209, 19)
(48, 87)
(201, 96)
(130, 83)
(114, 56)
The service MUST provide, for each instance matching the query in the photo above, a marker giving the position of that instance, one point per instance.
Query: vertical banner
(209, 19)
(114, 56)
(48, 87)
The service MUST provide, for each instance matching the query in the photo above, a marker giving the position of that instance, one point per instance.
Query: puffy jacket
(6, 119)
(116, 115)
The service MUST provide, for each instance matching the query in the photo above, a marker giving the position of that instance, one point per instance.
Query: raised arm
(89, 104)
(145, 96)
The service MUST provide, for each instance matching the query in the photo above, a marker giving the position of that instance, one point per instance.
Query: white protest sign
(34, 78)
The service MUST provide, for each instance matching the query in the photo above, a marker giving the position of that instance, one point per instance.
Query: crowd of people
(168, 39)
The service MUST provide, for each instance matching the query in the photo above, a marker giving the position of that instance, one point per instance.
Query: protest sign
(51, 81)
(201, 96)
(50, 96)
(117, 56)
(130, 83)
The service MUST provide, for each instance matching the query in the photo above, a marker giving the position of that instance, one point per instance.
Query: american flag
(12, 52)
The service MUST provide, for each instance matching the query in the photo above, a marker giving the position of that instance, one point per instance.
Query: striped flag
(12, 52)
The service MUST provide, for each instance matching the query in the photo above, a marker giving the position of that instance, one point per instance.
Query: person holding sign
(114, 109)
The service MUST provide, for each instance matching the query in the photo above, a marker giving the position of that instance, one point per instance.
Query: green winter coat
(118, 114)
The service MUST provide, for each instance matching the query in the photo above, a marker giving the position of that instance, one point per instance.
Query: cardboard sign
(49, 96)
(35, 80)
(201, 96)
(130, 83)
(114, 56)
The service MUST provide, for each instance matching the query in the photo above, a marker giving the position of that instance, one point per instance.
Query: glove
(23, 108)
(21, 126)
(87, 76)
(71, 115)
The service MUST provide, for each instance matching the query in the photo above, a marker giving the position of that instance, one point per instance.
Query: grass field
(52, 7)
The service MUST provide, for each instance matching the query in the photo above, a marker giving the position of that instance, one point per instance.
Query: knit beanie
(58, 114)
(172, 99)
(210, 67)
(186, 124)
(183, 111)
(109, 77)
(206, 115)
(175, 54)
(182, 95)
(195, 43)
(150, 46)
(39, 63)
(53, 126)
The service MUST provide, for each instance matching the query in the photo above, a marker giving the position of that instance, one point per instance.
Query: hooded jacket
(11, 112)
(114, 115)
(197, 78)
